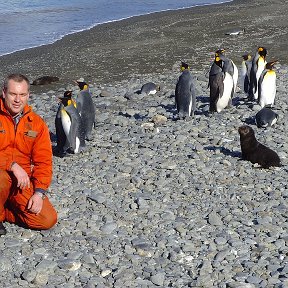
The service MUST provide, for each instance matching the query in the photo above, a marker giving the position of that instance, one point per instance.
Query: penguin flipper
(73, 135)
(193, 94)
(260, 84)
(177, 94)
(220, 82)
(216, 90)
(253, 81)
(246, 84)
(60, 134)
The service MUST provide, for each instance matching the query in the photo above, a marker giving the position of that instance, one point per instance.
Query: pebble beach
(154, 201)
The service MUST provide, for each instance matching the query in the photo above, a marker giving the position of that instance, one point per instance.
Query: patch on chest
(31, 133)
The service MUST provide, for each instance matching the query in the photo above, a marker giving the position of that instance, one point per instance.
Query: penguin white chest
(243, 69)
(152, 92)
(77, 145)
(260, 68)
(235, 77)
(268, 89)
(227, 92)
(66, 122)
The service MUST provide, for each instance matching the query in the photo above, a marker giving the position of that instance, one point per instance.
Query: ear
(3, 93)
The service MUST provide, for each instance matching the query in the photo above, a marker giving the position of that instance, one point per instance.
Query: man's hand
(35, 203)
(23, 180)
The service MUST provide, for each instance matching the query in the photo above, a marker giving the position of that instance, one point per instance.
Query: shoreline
(107, 22)
(119, 50)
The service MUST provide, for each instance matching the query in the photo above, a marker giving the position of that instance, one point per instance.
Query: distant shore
(154, 43)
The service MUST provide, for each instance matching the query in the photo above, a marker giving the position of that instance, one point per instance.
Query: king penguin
(185, 96)
(245, 72)
(62, 141)
(72, 125)
(221, 84)
(266, 117)
(267, 85)
(86, 108)
(150, 88)
(258, 65)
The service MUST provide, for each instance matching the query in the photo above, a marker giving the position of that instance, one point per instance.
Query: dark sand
(154, 43)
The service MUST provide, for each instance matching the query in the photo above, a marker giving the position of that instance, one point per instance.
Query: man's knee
(48, 220)
(5, 180)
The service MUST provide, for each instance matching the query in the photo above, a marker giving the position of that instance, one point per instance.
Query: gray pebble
(158, 279)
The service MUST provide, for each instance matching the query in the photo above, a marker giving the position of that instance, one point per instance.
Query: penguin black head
(219, 52)
(218, 61)
(66, 100)
(82, 85)
(246, 57)
(184, 66)
(270, 65)
(262, 51)
(68, 94)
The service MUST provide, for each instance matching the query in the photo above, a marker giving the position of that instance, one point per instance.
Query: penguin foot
(60, 154)
(188, 118)
(89, 137)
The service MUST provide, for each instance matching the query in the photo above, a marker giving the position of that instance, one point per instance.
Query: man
(25, 160)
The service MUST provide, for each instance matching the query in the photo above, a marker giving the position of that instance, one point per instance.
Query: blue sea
(25, 24)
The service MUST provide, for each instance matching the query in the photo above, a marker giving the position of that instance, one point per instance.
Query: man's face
(16, 96)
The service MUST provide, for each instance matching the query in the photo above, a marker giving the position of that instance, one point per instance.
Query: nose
(17, 98)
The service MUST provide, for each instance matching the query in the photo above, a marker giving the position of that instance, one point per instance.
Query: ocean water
(25, 24)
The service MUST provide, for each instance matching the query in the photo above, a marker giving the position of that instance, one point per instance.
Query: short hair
(17, 77)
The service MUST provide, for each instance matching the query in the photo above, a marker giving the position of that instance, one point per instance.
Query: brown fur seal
(45, 80)
(254, 151)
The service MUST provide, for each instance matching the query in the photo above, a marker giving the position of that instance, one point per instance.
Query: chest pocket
(27, 132)
(29, 137)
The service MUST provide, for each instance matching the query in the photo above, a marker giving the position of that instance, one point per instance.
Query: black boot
(2, 229)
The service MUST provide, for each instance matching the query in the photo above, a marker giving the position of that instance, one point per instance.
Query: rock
(158, 279)
(69, 264)
(41, 279)
(105, 93)
(159, 119)
(29, 276)
(214, 219)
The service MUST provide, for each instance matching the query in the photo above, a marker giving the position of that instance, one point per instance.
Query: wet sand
(154, 43)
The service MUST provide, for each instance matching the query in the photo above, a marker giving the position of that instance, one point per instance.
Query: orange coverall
(28, 144)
